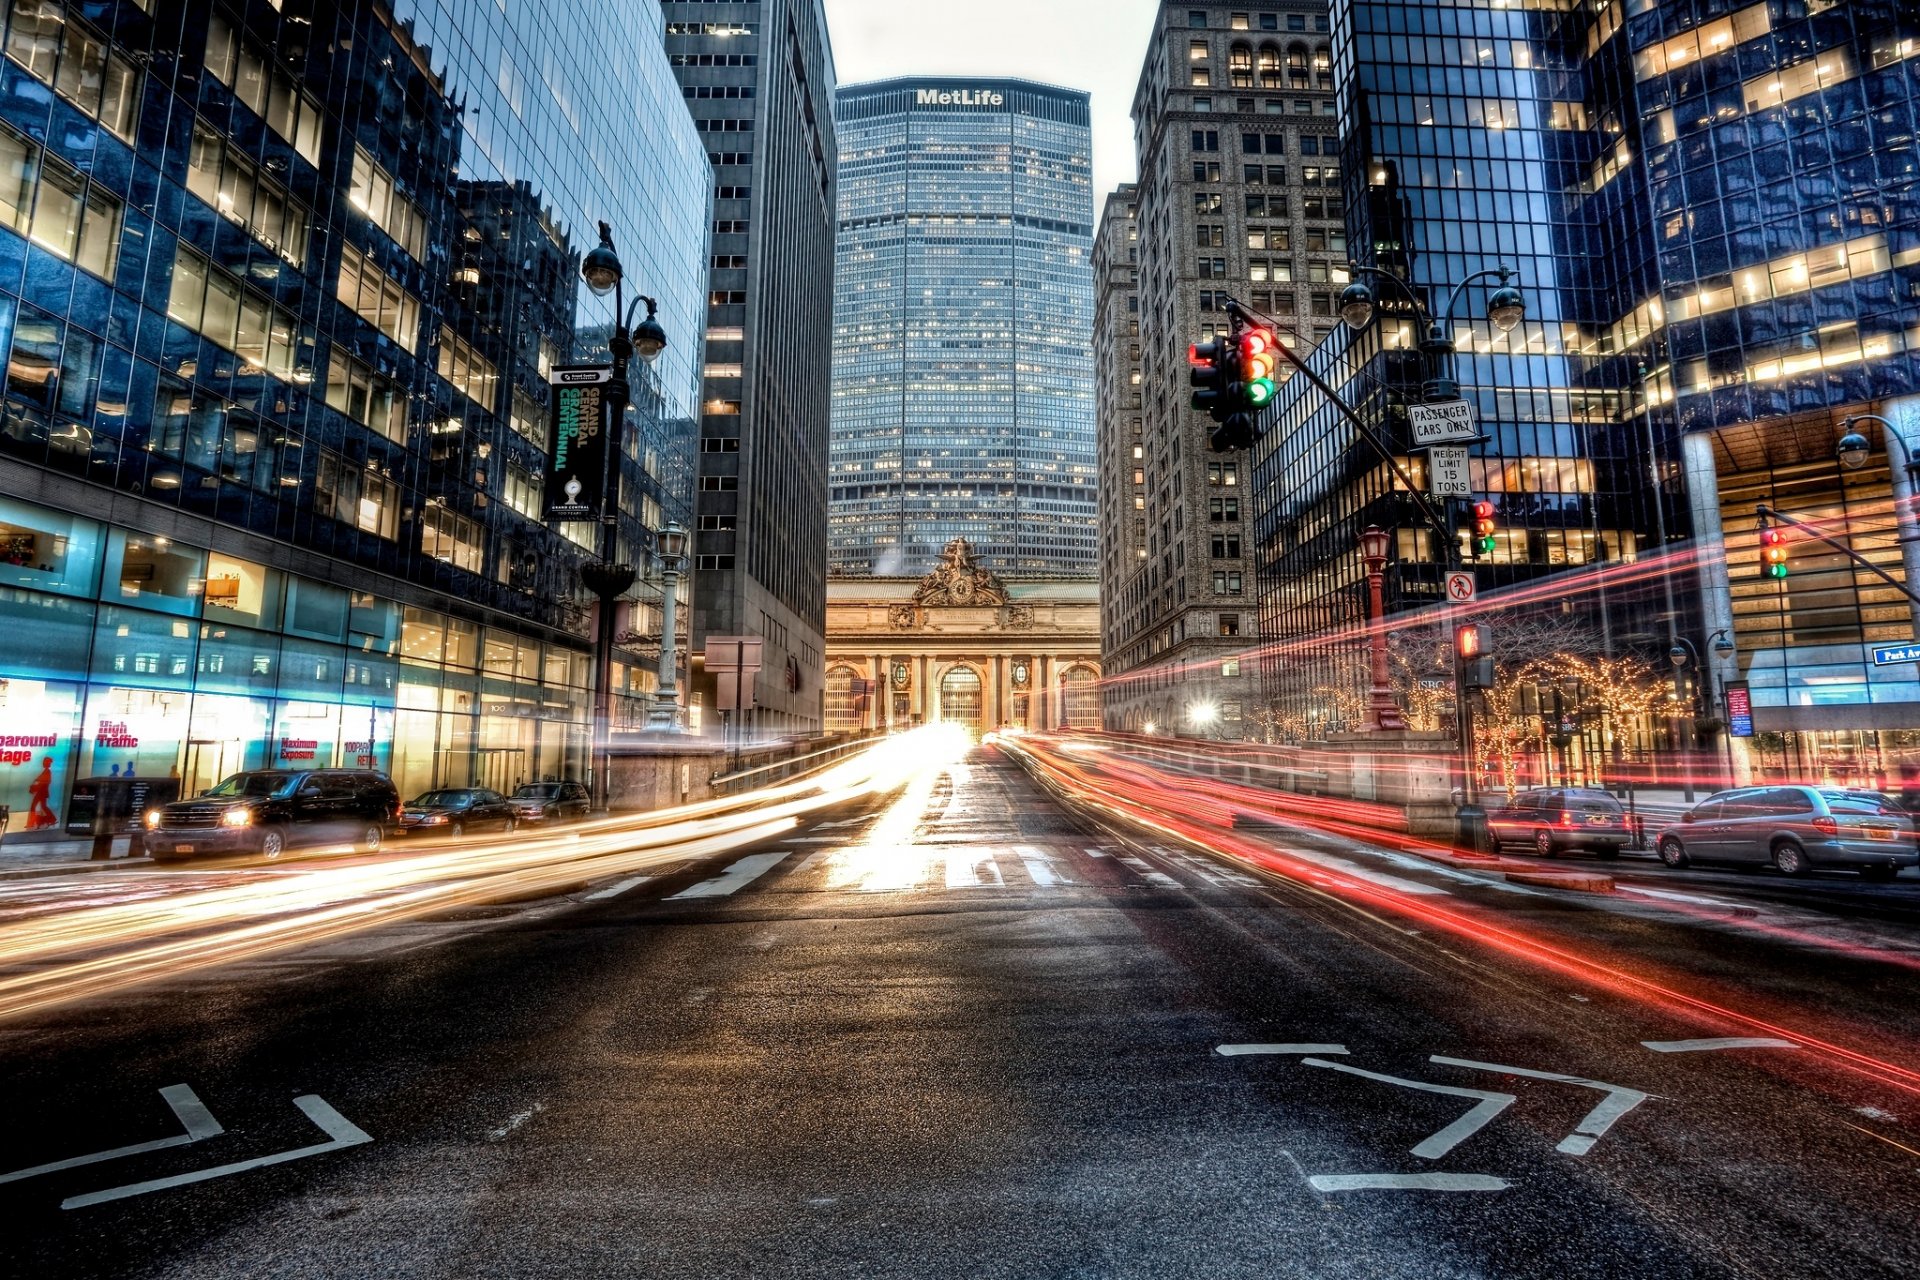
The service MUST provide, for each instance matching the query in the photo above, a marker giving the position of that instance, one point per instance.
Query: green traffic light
(1486, 546)
(1776, 571)
(1259, 391)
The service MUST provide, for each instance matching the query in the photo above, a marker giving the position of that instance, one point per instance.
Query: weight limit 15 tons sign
(577, 443)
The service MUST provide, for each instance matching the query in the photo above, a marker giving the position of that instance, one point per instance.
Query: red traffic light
(1773, 552)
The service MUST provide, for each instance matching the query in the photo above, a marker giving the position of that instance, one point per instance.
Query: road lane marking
(1722, 1042)
(1235, 1050)
(1344, 867)
(1617, 1103)
(187, 1109)
(1432, 1148)
(1160, 878)
(617, 888)
(1039, 864)
(1406, 1182)
(810, 861)
(341, 1132)
(1095, 853)
(1670, 896)
(974, 871)
(1211, 873)
(735, 877)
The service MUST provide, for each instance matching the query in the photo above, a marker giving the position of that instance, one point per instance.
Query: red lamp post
(1382, 711)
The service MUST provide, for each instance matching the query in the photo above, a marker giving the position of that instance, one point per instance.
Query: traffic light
(1211, 372)
(1256, 367)
(1773, 552)
(1484, 524)
(1470, 641)
(1473, 645)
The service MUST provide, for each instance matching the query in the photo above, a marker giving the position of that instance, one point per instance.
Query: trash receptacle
(1472, 834)
(107, 807)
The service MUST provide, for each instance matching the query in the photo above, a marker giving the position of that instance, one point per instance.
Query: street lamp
(1853, 451)
(607, 578)
(1202, 714)
(1382, 712)
(665, 715)
(1506, 308)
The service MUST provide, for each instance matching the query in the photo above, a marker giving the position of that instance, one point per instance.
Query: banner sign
(577, 444)
(1443, 423)
(1739, 710)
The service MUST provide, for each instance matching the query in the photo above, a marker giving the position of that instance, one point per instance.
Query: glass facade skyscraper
(281, 284)
(1711, 209)
(962, 394)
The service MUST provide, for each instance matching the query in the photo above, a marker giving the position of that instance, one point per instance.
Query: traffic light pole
(1768, 513)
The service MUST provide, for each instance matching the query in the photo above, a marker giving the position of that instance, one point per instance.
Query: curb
(51, 868)
(1578, 881)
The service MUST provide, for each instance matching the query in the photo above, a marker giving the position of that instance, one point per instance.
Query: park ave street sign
(1443, 423)
(1891, 654)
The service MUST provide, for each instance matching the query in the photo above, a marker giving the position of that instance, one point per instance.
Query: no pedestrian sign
(1447, 422)
(1460, 587)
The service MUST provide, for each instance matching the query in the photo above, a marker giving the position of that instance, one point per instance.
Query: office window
(48, 40)
(452, 538)
(378, 298)
(471, 373)
(524, 416)
(372, 192)
(1206, 139)
(269, 91)
(524, 491)
(238, 191)
(1226, 546)
(366, 397)
(212, 303)
(1230, 626)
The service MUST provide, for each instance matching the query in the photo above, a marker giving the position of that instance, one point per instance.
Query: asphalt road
(977, 1035)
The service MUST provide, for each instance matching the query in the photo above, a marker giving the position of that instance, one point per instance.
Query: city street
(993, 1024)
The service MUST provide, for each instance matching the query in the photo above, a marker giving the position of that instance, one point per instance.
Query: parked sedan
(1554, 819)
(1795, 829)
(551, 801)
(454, 811)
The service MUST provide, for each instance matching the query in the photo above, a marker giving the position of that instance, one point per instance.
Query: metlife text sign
(959, 98)
(577, 450)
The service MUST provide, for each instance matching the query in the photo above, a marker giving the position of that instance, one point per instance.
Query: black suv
(551, 801)
(269, 811)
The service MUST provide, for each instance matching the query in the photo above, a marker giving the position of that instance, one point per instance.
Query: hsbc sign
(959, 98)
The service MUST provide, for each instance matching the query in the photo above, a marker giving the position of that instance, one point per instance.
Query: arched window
(1269, 66)
(1323, 67)
(844, 712)
(1080, 688)
(1297, 66)
(1240, 65)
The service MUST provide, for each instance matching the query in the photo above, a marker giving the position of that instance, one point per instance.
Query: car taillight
(1566, 818)
(1826, 826)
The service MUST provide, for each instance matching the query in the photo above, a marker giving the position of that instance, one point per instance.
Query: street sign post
(1891, 655)
(1445, 422)
(1460, 587)
(1447, 472)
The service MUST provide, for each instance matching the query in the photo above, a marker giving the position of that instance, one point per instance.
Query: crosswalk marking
(1039, 866)
(734, 878)
(1159, 878)
(1210, 872)
(971, 872)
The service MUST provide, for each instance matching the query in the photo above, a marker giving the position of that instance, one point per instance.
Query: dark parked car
(269, 811)
(1796, 829)
(454, 811)
(551, 801)
(1557, 818)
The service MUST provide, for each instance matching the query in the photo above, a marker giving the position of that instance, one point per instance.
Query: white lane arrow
(1489, 1106)
(187, 1109)
(1617, 1103)
(341, 1132)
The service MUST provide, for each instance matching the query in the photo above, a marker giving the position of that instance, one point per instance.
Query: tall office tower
(1119, 429)
(1239, 197)
(758, 77)
(1712, 213)
(962, 400)
(280, 288)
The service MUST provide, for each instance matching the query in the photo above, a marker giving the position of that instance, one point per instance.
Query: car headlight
(236, 818)
(152, 819)
(434, 819)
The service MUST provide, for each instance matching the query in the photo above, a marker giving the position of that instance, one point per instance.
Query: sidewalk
(35, 855)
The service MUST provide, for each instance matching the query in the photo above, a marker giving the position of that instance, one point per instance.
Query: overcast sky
(1096, 45)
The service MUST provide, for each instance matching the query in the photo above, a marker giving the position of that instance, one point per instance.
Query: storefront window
(48, 550)
(38, 720)
(373, 624)
(47, 636)
(133, 733)
(237, 660)
(306, 735)
(312, 670)
(423, 635)
(498, 656)
(154, 572)
(463, 644)
(241, 592)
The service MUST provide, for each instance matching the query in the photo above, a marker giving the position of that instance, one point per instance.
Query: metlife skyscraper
(962, 392)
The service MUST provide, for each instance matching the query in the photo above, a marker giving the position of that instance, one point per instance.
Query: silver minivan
(1795, 829)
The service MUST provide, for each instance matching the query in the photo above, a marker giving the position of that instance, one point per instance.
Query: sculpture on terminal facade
(958, 581)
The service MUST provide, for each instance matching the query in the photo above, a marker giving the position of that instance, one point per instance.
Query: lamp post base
(664, 715)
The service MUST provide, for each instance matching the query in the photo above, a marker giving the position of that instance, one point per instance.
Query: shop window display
(153, 572)
(48, 550)
(37, 723)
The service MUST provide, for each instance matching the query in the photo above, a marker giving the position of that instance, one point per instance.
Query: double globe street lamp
(607, 578)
